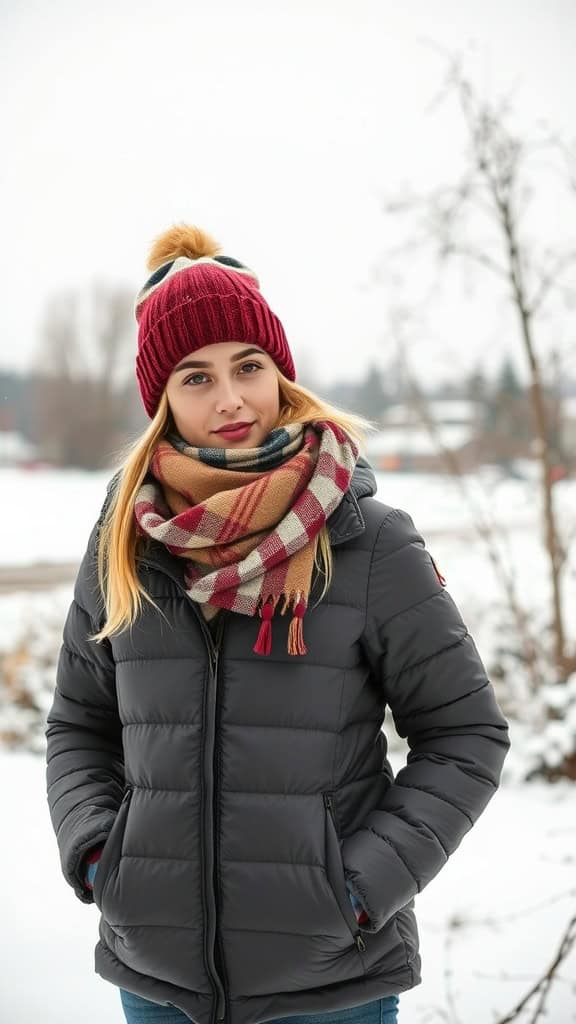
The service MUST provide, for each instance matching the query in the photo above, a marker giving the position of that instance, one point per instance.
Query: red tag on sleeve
(437, 571)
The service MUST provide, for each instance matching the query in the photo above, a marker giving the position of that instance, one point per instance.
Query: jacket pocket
(112, 849)
(335, 872)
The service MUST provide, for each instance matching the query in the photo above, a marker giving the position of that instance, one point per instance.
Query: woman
(216, 770)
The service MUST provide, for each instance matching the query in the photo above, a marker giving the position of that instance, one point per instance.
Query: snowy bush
(540, 707)
(551, 749)
(29, 646)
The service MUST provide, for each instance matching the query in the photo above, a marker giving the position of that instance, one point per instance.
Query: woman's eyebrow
(191, 363)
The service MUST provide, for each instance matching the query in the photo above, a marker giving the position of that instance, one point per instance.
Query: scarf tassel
(296, 643)
(263, 643)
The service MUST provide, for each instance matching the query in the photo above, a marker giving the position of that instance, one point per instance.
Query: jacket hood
(347, 520)
(363, 481)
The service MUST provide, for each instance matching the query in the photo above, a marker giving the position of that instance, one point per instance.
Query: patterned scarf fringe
(296, 643)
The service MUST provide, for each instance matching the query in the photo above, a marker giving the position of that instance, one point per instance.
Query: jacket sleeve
(85, 769)
(442, 702)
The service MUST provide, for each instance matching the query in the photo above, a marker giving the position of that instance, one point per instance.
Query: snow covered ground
(49, 513)
(509, 890)
(511, 886)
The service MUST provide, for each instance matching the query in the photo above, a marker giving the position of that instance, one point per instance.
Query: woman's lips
(235, 435)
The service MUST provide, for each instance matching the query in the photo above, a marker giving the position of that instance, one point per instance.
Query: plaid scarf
(246, 519)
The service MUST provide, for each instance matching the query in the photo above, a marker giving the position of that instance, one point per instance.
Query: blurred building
(415, 440)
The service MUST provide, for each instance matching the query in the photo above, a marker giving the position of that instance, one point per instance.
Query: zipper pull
(360, 942)
(328, 801)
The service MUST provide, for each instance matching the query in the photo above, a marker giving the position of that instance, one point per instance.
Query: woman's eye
(193, 380)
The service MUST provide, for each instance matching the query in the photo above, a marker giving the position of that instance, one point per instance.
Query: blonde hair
(121, 589)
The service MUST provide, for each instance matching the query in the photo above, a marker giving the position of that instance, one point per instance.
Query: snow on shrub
(29, 645)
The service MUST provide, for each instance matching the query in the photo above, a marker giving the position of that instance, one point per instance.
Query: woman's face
(227, 382)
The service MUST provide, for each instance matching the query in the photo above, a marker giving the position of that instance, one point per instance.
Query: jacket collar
(347, 520)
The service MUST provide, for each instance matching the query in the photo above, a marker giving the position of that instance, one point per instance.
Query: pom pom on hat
(181, 240)
(195, 297)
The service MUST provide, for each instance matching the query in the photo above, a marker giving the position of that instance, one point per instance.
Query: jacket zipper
(221, 964)
(210, 831)
(357, 935)
(212, 943)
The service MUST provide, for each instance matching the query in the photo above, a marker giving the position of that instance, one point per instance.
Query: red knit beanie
(195, 298)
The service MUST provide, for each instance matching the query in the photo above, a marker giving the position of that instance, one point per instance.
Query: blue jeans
(380, 1011)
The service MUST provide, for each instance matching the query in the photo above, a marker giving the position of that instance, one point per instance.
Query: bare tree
(484, 526)
(496, 189)
(85, 338)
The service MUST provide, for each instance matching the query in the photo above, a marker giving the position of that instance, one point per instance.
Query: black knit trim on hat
(175, 266)
(159, 274)
(229, 261)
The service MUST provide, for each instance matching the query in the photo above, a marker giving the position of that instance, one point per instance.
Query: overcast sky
(277, 126)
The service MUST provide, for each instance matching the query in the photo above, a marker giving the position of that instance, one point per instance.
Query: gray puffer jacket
(238, 793)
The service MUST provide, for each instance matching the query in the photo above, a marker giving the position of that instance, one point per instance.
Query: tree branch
(544, 984)
(549, 280)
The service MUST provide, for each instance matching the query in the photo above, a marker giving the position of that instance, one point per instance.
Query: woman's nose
(229, 396)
